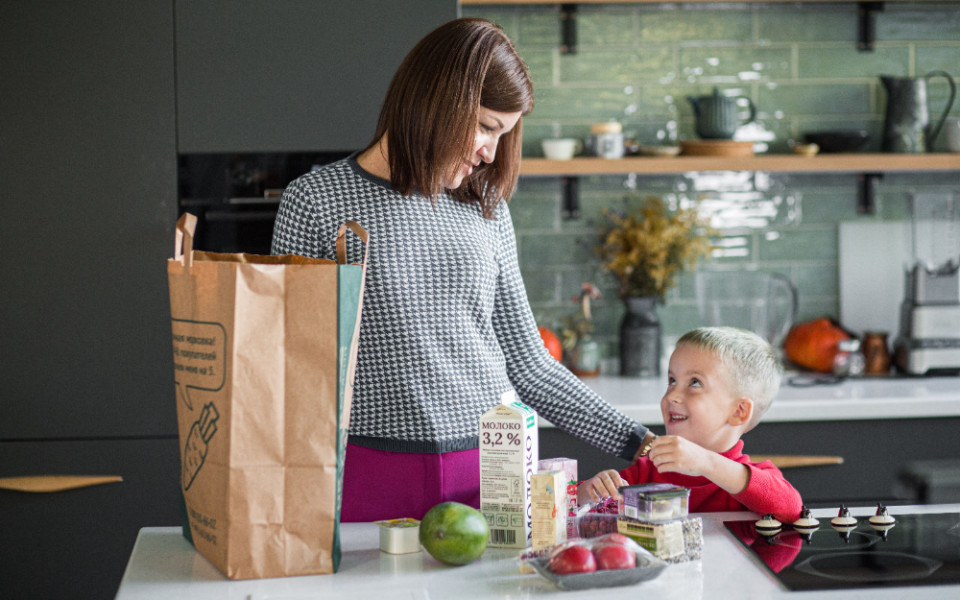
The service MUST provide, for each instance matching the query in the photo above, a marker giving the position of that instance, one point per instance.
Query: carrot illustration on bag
(198, 439)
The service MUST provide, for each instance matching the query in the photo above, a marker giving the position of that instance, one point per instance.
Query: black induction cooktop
(920, 549)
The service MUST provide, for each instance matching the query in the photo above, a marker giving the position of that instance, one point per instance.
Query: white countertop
(852, 399)
(164, 565)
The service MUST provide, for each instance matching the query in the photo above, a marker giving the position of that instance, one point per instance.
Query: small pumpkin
(813, 344)
(552, 342)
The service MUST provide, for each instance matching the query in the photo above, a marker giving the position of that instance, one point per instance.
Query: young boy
(720, 382)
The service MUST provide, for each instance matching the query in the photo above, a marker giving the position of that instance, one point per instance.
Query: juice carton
(508, 460)
(549, 508)
(569, 468)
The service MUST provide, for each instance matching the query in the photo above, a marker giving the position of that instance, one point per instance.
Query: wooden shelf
(493, 2)
(785, 163)
(866, 13)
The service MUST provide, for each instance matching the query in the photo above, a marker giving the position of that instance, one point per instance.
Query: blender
(929, 339)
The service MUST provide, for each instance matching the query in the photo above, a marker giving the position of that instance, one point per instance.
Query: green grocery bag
(264, 354)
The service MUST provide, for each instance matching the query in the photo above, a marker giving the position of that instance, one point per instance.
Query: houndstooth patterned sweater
(446, 326)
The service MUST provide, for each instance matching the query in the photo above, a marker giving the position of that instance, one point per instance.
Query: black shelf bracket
(867, 28)
(568, 28)
(866, 192)
(570, 189)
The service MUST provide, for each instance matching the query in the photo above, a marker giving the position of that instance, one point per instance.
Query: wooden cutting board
(54, 483)
(716, 148)
(873, 257)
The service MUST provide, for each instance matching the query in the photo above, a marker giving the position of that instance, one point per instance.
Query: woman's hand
(600, 486)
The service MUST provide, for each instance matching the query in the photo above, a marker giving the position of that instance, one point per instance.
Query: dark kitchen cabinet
(290, 75)
(88, 171)
(76, 543)
(88, 165)
(874, 454)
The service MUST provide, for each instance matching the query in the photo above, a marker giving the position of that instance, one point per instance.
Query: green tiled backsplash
(637, 64)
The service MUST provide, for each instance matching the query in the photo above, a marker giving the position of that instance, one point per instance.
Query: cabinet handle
(55, 483)
(785, 461)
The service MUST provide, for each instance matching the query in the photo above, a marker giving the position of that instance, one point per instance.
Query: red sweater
(766, 492)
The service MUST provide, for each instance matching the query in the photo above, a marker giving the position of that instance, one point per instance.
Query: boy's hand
(673, 454)
(600, 486)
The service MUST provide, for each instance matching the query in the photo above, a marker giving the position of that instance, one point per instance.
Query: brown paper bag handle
(183, 245)
(342, 241)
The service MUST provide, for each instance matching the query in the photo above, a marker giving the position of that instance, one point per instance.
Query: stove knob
(843, 523)
(806, 524)
(882, 522)
(768, 525)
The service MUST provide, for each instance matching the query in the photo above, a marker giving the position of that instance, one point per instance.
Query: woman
(446, 325)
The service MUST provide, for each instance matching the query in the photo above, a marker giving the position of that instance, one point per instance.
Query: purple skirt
(378, 484)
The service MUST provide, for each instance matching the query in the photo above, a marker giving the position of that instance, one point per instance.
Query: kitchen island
(163, 565)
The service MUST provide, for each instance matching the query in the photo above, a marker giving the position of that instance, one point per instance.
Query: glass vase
(640, 338)
(584, 358)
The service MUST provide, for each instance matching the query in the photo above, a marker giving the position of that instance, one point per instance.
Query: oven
(235, 196)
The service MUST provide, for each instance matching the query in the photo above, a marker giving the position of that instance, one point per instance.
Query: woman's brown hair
(431, 111)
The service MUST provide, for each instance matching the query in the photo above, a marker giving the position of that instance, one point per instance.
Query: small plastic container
(654, 502)
(591, 525)
(594, 519)
(399, 536)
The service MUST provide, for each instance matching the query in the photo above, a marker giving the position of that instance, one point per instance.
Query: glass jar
(849, 360)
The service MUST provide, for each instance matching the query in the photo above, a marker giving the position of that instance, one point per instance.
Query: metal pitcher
(717, 115)
(907, 127)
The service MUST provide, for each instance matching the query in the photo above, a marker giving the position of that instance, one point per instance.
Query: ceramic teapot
(718, 116)
(907, 127)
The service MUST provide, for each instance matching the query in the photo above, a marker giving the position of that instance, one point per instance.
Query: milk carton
(508, 460)
(549, 507)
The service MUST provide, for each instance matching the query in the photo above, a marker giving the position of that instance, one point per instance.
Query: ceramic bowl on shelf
(660, 151)
(838, 141)
(806, 149)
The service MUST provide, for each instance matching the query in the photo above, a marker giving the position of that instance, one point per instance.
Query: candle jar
(849, 360)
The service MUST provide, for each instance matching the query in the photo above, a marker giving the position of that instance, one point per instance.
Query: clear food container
(596, 519)
(654, 502)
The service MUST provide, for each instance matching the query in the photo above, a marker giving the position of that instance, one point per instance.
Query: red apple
(575, 559)
(614, 556)
(561, 547)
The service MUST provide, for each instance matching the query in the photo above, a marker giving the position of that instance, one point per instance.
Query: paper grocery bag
(264, 353)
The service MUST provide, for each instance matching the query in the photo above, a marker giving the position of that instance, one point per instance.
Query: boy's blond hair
(753, 368)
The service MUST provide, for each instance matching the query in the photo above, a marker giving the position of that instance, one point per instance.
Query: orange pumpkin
(552, 342)
(813, 344)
